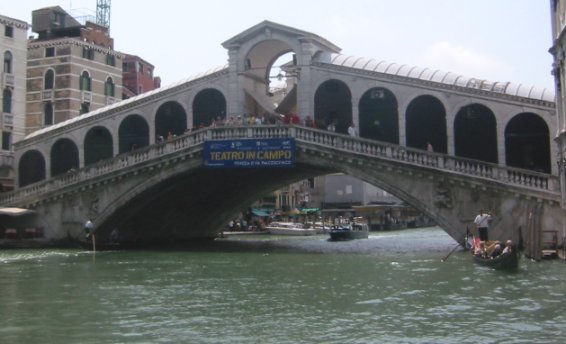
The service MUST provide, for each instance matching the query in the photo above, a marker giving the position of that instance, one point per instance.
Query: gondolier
(89, 228)
(482, 223)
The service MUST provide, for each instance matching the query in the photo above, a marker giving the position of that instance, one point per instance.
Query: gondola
(507, 261)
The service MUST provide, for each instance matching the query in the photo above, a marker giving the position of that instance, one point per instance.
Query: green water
(390, 288)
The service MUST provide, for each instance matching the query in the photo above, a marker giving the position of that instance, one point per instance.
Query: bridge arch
(133, 133)
(378, 115)
(64, 156)
(333, 104)
(425, 121)
(31, 168)
(527, 142)
(98, 145)
(475, 133)
(171, 117)
(208, 104)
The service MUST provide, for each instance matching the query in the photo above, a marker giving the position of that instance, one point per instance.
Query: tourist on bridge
(482, 222)
(352, 130)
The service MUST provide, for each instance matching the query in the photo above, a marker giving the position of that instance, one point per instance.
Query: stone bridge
(164, 192)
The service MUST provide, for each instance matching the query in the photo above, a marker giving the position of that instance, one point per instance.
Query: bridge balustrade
(325, 139)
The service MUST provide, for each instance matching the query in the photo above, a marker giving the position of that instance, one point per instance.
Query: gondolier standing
(89, 228)
(482, 223)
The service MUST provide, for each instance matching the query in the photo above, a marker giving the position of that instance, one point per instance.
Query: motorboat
(349, 231)
(289, 228)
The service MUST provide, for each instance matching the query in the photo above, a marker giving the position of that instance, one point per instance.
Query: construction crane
(103, 13)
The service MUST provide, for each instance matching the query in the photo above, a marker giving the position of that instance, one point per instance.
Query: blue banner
(250, 153)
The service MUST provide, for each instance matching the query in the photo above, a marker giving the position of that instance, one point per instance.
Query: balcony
(86, 97)
(8, 80)
(47, 95)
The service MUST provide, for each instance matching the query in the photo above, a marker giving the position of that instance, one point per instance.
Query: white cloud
(465, 61)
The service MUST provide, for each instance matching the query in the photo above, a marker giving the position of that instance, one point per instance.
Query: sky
(496, 40)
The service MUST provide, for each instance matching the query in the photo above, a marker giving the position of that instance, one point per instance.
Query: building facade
(558, 50)
(72, 69)
(13, 46)
(137, 76)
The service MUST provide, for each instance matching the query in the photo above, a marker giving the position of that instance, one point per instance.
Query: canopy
(15, 211)
(260, 212)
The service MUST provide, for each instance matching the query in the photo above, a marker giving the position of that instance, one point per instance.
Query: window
(109, 87)
(49, 80)
(7, 62)
(141, 68)
(124, 66)
(7, 101)
(9, 31)
(6, 140)
(48, 114)
(88, 53)
(50, 52)
(85, 81)
(110, 60)
(85, 107)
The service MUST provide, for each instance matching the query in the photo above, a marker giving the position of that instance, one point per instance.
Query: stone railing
(324, 139)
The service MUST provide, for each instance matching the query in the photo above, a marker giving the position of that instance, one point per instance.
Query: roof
(448, 78)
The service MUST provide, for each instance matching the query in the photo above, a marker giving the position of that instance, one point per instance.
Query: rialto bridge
(492, 143)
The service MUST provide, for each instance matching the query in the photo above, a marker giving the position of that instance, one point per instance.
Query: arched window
(85, 81)
(7, 101)
(7, 62)
(48, 114)
(109, 87)
(49, 80)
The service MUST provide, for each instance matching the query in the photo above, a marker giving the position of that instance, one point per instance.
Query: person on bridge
(352, 130)
(482, 222)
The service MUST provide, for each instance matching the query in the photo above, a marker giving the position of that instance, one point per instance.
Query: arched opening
(31, 168)
(64, 157)
(475, 133)
(170, 118)
(109, 88)
(97, 145)
(133, 134)
(85, 82)
(207, 106)
(379, 119)
(333, 105)
(425, 122)
(49, 80)
(48, 114)
(527, 143)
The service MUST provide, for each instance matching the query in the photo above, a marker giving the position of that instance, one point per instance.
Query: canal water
(390, 288)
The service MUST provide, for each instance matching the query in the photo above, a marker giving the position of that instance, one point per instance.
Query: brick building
(137, 76)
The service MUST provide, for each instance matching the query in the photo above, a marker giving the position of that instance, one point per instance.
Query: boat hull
(508, 261)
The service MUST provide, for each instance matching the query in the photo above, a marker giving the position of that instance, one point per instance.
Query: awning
(15, 211)
(260, 213)
(309, 210)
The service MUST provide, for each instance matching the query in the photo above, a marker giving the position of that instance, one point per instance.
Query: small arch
(527, 143)
(378, 115)
(475, 133)
(8, 61)
(109, 87)
(31, 168)
(170, 118)
(85, 81)
(133, 134)
(49, 80)
(97, 145)
(208, 104)
(64, 157)
(333, 104)
(425, 122)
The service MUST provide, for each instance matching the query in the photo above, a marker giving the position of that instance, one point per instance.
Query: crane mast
(103, 13)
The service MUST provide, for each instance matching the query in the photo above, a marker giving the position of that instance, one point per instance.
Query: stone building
(137, 76)
(558, 50)
(13, 44)
(72, 69)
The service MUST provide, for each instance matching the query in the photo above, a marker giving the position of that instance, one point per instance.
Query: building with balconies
(13, 48)
(72, 69)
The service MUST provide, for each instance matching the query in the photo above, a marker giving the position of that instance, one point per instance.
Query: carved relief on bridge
(442, 195)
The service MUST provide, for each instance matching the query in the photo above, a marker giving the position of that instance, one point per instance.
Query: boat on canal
(504, 261)
(289, 228)
(349, 231)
